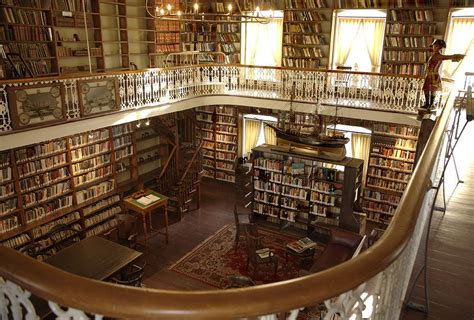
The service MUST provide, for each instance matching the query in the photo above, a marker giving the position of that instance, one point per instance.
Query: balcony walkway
(451, 247)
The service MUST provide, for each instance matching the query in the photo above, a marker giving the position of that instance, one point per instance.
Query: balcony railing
(372, 285)
(154, 87)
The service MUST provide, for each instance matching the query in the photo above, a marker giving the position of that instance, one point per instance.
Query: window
(262, 42)
(460, 40)
(358, 39)
(256, 132)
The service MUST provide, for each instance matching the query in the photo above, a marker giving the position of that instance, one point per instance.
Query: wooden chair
(128, 231)
(242, 228)
(131, 276)
(63, 236)
(35, 250)
(254, 243)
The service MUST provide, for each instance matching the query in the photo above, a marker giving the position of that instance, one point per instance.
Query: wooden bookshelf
(410, 29)
(306, 34)
(74, 180)
(168, 32)
(218, 131)
(141, 33)
(304, 192)
(391, 163)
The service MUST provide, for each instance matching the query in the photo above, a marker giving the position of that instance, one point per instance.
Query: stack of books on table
(301, 245)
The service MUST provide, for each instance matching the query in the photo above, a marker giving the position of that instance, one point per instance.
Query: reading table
(144, 205)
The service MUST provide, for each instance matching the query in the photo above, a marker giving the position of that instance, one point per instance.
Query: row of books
(411, 3)
(302, 27)
(100, 205)
(295, 192)
(397, 143)
(358, 4)
(78, 154)
(68, 5)
(123, 129)
(323, 198)
(41, 165)
(407, 56)
(102, 216)
(39, 150)
(300, 63)
(393, 153)
(302, 52)
(227, 166)
(16, 241)
(220, 175)
(5, 174)
(228, 37)
(122, 141)
(228, 28)
(410, 29)
(4, 159)
(293, 16)
(267, 186)
(8, 206)
(391, 164)
(193, 37)
(386, 184)
(43, 179)
(166, 25)
(265, 209)
(93, 175)
(378, 217)
(305, 4)
(7, 190)
(45, 228)
(167, 48)
(86, 165)
(411, 15)
(198, 46)
(109, 224)
(227, 48)
(22, 16)
(9, 223)
(303, 39)
(411, 69)
(76, 21)
(387, 173)
(39, 67)
(167, 37)
(45, 194)
(379, 207)
(38, 4)
(49, 208)
(396, 130)
(29, 50)
(380, 196)
(21, 33)
(82, 139)
(325, 211)
(409, 42)
(95, 191)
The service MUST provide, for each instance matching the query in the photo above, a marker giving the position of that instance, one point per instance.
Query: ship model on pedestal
(327, 143)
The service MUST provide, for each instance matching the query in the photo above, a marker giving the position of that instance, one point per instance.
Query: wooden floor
(450, 257)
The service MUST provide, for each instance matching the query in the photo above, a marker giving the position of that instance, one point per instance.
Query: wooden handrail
(112, 73)
(198, 149)
(117, 301)
(168, 161)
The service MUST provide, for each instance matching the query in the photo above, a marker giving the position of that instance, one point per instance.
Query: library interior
(236, 159)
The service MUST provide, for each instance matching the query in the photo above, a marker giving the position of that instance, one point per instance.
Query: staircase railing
(190, 179)
(169, 172)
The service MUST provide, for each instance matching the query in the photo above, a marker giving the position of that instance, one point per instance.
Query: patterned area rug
(214, 260)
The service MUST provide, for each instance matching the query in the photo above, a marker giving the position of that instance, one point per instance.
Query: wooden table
(94, 257)
(146, 210)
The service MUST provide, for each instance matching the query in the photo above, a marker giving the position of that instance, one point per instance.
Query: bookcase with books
(306, 34)
(167, 31)
(391, 164)
(9, 212)
(300, 192)
(197, 36)
(77, 35)
(124, 150)
(410, 29)
(218, 131)
(26, 29)
(149, 149)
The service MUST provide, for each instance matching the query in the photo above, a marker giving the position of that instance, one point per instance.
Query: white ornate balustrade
(152, 87)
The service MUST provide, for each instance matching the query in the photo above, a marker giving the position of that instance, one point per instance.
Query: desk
(145, 210)
(94, 257)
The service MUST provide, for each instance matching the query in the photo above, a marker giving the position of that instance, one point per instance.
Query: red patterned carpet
(214, 260)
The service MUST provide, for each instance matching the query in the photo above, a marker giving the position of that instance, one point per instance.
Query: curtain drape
(373, 30)
(360, 150)
(252, 131)
(270, 135)
(461, 40)
(347, 30)
(263, 43)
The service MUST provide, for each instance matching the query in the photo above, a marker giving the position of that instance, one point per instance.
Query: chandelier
(167, 12)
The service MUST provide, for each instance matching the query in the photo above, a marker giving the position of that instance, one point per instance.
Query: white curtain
(373, 30)
(270, 135)
(262, 45)
(252, 131)
(460, 40)
(360, 150)
(347, 30)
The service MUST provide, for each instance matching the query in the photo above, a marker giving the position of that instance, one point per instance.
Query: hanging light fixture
(166, 12)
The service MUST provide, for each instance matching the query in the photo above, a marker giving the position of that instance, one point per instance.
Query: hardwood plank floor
(450, 257)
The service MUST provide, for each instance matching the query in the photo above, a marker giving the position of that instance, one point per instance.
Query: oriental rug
(215, 260)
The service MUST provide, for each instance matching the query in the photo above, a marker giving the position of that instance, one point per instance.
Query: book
(264, 253)
(147, 200)
(301, 245)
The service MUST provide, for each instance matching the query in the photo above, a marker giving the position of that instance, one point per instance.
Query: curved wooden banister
(116, 301)
(190, 164)
(113, 73)
(168, 161)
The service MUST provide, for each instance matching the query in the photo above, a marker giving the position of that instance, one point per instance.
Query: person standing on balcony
(432, 83)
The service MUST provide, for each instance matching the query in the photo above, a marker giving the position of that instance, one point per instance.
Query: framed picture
(98, 96)
(36, 105)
